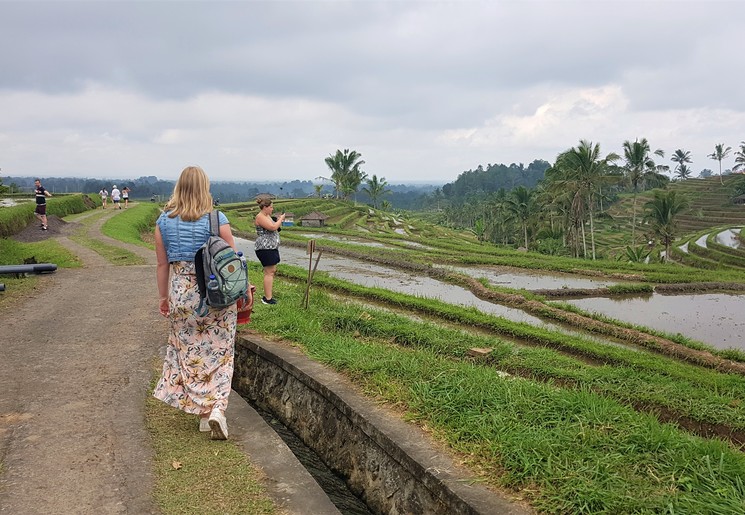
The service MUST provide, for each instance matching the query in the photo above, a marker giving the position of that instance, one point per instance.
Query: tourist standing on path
(198, 367)
(104, 195)
(116, 196)
(41, 203)
(267, 244)
(125, 196)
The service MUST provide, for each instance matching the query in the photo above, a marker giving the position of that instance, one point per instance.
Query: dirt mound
(33, 232)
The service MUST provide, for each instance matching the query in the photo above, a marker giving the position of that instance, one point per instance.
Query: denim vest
(182, 239)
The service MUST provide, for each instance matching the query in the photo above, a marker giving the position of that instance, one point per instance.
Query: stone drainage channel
(387, 464)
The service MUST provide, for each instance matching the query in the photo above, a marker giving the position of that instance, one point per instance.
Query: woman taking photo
(198, 366)
(267, 244)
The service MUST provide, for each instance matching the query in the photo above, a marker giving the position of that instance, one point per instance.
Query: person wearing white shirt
(116, 196)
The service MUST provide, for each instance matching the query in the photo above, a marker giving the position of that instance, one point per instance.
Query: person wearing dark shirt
(41, 203)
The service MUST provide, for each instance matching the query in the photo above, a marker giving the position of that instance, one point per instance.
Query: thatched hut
(313, 219)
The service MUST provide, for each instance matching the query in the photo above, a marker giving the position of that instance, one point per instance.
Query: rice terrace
(572, 411)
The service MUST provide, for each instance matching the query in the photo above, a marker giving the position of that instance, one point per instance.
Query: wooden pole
(309, 250)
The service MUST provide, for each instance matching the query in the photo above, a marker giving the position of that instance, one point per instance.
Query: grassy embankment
(16, 218)
(570, 434)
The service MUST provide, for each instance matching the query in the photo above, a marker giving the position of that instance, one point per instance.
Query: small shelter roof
(314, 215)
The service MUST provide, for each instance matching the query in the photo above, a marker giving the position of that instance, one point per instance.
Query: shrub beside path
(77, 362)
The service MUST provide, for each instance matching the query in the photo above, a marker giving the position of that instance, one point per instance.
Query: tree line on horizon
(472, 187)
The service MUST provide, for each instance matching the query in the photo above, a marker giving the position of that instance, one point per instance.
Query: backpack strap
(202, 308)
(215, 223)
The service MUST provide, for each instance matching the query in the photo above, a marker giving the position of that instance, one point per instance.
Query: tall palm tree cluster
(346, 172)
(347, 176)
(559, 216)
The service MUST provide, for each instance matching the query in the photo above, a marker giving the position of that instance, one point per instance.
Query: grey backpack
(222, 277)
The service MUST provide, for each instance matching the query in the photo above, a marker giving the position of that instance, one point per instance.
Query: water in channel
(334, 486)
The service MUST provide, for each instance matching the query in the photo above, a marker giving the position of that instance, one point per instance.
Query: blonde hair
(191, 197)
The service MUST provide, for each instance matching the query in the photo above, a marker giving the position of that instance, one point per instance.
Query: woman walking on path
(198, 366)
(104, 195)
(267, 244)
(125, 196)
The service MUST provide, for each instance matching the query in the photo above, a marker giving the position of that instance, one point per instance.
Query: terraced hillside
(711, 206)
(343, 215)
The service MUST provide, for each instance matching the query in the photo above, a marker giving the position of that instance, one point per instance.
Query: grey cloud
(414, 68)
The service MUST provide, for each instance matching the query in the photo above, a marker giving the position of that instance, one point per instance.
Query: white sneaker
(204, 425)
(219, 425)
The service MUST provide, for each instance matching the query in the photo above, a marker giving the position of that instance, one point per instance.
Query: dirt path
(77, 361)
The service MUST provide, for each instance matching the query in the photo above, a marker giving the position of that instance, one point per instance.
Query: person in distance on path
(41, 203)
(116, 196)
(125, 196)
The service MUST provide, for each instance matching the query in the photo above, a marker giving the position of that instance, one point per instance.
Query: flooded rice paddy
(714, 319)
(525, 279)
(376, 276)
(729, 238)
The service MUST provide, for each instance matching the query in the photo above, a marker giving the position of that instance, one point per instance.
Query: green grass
(194, 474)
(13, 252)
(569, 449)
(48, 251)
(129, 224)
(111, 253)
(630, 376)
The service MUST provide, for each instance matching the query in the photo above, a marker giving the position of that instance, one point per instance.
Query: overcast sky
(423, 90)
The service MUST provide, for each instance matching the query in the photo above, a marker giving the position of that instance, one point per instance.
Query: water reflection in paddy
(729, 238)
(376, 276)
(714, 318)
(512, 278)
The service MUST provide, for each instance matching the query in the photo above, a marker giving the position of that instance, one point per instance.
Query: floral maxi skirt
(198, 366)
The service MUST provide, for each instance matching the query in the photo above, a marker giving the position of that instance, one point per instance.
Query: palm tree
(346, 173)
(682, 172)
(661, 212)
(585, 171)
(499, 220)
(479, 229)
(681, 157)
(720, 153)
(740, 158)
(640, 168)
(318, 188)
(521, 207)
(375, 189)
(558, 207)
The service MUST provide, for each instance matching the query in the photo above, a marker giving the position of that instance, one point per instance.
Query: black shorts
(41, 209)
(268, 257)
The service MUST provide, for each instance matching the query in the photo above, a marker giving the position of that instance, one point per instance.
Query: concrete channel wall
(389, 464)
